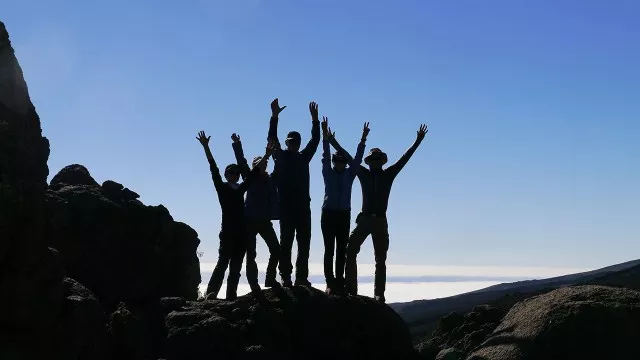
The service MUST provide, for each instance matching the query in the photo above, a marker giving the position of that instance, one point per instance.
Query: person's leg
(380, 235)
(250, 246)
(235, 265)
(303, 238)
(224, 255)
(356, 239)
(343, 225)
(287, 233)
(271, 239)
(327, 225)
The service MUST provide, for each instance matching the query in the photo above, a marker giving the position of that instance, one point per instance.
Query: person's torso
(376, 187)
(293, 178)
(232, 205)
(259, 200)
(337, 193)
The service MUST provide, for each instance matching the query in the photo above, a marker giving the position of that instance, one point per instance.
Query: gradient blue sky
(533, 109)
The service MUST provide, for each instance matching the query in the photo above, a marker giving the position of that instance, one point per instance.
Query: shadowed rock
(115, 245)
(584, 322)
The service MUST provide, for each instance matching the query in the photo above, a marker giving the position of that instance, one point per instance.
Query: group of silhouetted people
(284, 195)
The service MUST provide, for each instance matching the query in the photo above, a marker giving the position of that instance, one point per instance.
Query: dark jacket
(292, 169)
(338, 185)
(262, 195)
(376, 184)
(231, 199)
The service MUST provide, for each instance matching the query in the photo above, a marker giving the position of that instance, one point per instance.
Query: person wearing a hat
(376, 185)
(232, 232)
(336, 208)
(292, 168)
(260, 208)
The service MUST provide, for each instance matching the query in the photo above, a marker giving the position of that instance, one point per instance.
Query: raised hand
(235, 138)
(275, 107)
(325, 126)
(271, 147)
(203, 138)
(422, 132)
(313, 109)
(330, 135)
(365, 130)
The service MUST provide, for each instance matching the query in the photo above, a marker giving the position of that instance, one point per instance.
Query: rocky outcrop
(584, 322)
(31, 280)
(463, 332)
(121, 249)
(298, 323)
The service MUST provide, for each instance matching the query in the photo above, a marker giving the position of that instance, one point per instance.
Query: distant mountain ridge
(422, 316)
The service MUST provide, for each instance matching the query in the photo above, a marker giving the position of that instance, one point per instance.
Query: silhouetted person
(292, 167)
(376, 185)
(260, 208)
(336, 208)
(232, 232)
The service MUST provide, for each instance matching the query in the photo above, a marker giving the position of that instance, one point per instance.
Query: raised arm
(273, 123)
(326, 149)
(354, 165)
(271, 148)
(312, 146)
(395, 168)
(215, 172)
(239, 153)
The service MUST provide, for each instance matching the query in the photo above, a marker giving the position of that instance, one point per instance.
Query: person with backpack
(261, 207)
(336, 208)
(376, 185)
(232, 233)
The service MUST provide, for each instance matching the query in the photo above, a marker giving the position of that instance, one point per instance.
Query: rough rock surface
(115, 245)
(464, 332)
(301, 323)
(31, 287)
(584, 322)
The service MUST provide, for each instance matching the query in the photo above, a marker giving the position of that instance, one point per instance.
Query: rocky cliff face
(30, 277)
(115, 245)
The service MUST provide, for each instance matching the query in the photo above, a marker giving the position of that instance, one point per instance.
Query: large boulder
(583, 322)
(115, 245)
(301, 323)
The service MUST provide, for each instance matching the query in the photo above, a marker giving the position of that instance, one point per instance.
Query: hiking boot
(287, 283)
(380, 299)
(304, 282)
(255, 289)
(272, 283)
(329, 291)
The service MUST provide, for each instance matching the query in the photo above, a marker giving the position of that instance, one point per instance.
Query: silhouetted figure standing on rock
(260, 208)
(232, 232)
(292, 167)
(376, 185)
(336, 208)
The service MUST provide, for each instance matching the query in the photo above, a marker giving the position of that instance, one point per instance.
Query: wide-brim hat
(375, 153)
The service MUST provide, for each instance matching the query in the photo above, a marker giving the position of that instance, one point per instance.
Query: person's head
(293, 141)
(375, 159)
(232, 173)
(256, 161)
(339, 161)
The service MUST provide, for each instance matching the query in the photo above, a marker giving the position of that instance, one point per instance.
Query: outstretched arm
(271, 148)
(326, 150)
(273, 123)
(312, 146)
(395, 168)
(354, 166)
(215, 172)
(239, 153)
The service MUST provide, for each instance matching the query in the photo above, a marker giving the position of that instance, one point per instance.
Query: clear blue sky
(533, 109)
